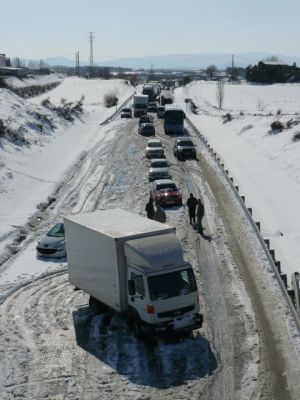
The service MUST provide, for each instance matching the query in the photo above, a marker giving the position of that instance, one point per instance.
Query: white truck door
(138, 301)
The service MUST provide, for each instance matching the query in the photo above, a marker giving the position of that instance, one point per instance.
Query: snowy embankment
(265, 165)
(34, 80)
(31, 172)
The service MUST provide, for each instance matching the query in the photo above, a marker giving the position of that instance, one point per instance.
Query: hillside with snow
(40, 145)
(265, 163)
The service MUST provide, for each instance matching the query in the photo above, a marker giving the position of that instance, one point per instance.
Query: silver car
(53, 244)
(154, 148)
(159, 169)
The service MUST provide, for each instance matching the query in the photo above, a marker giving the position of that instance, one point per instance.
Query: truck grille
(175, 313)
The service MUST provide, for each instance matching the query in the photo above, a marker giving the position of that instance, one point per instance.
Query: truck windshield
(173, 284)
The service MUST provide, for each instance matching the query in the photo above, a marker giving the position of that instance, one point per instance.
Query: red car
(165, 192)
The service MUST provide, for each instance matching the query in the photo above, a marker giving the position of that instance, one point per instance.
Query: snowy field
(265, 166)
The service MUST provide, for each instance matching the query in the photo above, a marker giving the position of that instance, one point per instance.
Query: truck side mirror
(131, 287)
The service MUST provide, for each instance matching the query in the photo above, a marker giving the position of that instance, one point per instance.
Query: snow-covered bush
(66, 109)
(296, 137)
(276, 127)
(110, 99)
(227, 118)
(13, 135)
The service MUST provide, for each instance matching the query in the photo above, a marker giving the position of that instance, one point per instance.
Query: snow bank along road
(52, 346)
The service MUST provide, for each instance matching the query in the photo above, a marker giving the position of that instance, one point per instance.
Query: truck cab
(162, 291)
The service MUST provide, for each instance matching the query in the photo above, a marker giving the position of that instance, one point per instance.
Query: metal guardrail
(118, 110)
(296, 290)
(255, 226)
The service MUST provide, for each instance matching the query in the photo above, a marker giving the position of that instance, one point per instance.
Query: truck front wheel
(136, 329)
(96, 306)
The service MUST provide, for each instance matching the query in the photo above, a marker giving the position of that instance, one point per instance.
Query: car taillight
(150, 309)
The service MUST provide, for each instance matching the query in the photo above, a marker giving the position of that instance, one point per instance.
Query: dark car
(146, 129)
(152, 107)
(146, 119)
(126, 113)
(165, 192)
(184, 147)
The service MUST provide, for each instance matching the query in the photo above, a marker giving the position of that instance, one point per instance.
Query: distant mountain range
(179, 61)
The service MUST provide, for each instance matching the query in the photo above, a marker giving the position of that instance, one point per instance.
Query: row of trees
(21, 63)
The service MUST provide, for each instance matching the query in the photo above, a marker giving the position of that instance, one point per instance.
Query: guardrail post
(272, 252)
(291, 293)
(257, 223)
(243, 198)
(231, 179)
(250, 210)
(222, 165)
(226, 171)
(284, 279)
(278, 266)
(267, 241)
(236, 188)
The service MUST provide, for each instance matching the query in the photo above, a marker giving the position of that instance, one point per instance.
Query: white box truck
(134, 266)
(140, 105)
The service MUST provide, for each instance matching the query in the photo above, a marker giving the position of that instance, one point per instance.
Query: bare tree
(220, 93)
(18, 62)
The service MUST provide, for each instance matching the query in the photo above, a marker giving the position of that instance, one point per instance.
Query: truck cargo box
(95, 251)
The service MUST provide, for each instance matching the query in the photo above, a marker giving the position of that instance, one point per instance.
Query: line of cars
(163, 189)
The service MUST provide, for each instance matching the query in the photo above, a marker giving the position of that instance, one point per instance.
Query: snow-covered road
(54, 347)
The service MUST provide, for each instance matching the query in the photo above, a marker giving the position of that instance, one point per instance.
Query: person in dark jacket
(150, 208)
(200, 215)
(192, 204)
(160, 215)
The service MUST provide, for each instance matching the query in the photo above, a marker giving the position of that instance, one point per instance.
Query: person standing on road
(192, 204)
(150, 208)
(200, 215)
(160, 215)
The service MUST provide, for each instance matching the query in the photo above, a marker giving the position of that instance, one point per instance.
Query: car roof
(154, 141)
(158, 160)
(161, 181)
(147, 124)
(183, 138)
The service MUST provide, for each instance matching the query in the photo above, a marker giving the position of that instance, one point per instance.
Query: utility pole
(232, 65)
(77, 69)
(91, 39)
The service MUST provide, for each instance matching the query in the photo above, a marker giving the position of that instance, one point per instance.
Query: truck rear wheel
(96, 306)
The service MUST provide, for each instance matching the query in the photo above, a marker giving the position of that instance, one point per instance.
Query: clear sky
(36, 29)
